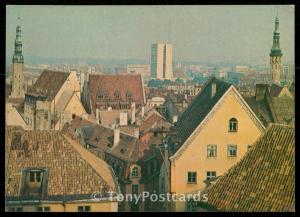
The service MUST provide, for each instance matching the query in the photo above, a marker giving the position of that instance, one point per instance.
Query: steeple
(276, 51)
(18, 56)
(276, 54)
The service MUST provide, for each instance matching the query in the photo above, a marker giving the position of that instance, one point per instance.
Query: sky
(198, 33)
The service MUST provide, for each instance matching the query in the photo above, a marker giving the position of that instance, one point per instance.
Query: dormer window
(233, 125)
(117, 94)
(128, 95)
(102, 94)
(34, 182)
(135, 172)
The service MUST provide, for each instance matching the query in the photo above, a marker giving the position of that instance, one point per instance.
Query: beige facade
(101, 206)
(275, 63)
(13, 117)
(64, 104)
(213, 130)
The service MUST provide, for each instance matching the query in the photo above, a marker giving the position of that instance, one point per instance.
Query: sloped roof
(69, 171)
(264, 179)
(110, 84)
(199, 108)
(275, 90)
(49, 83)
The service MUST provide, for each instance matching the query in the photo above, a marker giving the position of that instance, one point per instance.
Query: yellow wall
(194, 158)
(73, 207)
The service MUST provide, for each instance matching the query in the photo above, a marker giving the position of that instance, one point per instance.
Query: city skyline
(198, 33)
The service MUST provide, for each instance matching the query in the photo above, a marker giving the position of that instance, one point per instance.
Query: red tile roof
(110, 84)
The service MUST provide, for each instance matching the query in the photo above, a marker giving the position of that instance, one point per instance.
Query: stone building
(52, 101)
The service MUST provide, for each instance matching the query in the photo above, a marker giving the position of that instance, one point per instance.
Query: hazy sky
(200, 33)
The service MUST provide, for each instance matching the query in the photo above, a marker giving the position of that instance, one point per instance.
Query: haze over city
(198, 33)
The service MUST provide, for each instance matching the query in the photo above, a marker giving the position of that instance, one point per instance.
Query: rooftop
(264, 179)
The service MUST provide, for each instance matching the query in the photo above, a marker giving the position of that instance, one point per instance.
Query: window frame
(208, 177)
(135, 172)
(232, 129)
(84, 208)
(228, 150)
(192, 177)
(214, 146)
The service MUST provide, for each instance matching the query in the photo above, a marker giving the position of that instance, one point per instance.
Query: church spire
(18, 56)
(276, 54)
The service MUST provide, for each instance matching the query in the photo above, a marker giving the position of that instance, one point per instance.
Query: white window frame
(229, 149)
(213, 148)
(192, 177)
(209, 175)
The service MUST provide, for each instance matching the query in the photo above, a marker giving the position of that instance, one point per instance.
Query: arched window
(135, 172)
(233, 125)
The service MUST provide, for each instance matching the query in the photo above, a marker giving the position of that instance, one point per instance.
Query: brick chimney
(143, 111)
(97, 116)
(116, 135)
(213, 89)
(137, 133)
(132, 112)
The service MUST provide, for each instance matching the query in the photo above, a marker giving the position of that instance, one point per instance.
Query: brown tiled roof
(49, 83)
(199, 108)
(111, 83)
(272, 109)
(69, 172)
(153, 121)
(264, 179)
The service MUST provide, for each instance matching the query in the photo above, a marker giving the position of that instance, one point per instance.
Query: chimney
(132, 112)
(143, 111)
(123, 119)
(175, 119)
(213, 89)
(97, 116)
(260, 91)
(109, 109)
(116, 135)
(137, 133)
(185, 96)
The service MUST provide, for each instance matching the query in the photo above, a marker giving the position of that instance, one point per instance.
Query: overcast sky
(198, 33)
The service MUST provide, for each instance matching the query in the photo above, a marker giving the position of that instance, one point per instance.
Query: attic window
(233, 125)
(128, 95)
(102, 94)
(34, 182)
(117, 94)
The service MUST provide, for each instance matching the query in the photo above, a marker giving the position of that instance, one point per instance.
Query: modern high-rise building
(275, 55)
(161, 61)
(17, 66)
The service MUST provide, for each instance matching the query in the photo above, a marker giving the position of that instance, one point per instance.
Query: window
(210, 174)
(135, 189)
(35, 176)
(117, 94)
(84, 208)
(211, 150)
(128, 95)
(135, 172)
(232, 150)
(15, 209)
(192, 177)
(43, 209)
(233, 125)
